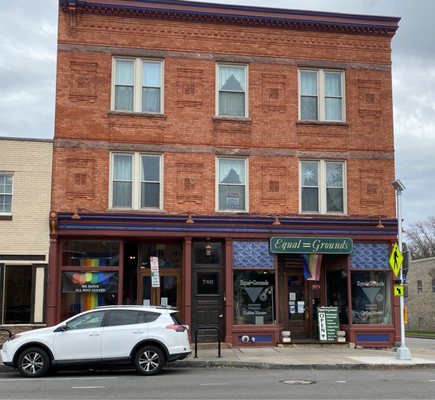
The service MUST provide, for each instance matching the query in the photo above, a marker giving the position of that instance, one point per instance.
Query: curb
(266, 365)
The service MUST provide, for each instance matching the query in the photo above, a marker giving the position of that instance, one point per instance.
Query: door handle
(94, 334)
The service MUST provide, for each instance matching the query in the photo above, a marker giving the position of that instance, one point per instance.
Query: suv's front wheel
(33, 362)
(149, 360)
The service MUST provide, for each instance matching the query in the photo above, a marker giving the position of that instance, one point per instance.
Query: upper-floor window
(231, 182)
(323, 186)
(321, 94)
(232, 90)
(5, 193)
(137, 85)
(136, 181)
(419, 286)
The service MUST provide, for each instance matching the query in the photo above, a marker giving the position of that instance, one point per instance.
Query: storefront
(246, 276)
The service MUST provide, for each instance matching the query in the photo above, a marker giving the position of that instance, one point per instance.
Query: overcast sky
(27, 80)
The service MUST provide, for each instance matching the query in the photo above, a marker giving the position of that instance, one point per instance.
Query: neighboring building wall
(421, 295)
(24, 230)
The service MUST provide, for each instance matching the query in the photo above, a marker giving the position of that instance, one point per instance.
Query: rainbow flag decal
(312, 266)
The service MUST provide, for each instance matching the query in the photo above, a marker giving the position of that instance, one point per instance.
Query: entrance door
(207, 290)
(302, 300)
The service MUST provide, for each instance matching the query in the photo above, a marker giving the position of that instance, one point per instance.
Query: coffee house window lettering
(90, 253)
(371, 297)
(254, 297)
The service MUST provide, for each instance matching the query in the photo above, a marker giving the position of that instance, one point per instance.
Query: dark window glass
(17, 294)
(147, 316)
(122, 317)
(207, 283)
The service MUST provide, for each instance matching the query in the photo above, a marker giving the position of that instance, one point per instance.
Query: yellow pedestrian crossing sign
(399, 290)
(396, 259)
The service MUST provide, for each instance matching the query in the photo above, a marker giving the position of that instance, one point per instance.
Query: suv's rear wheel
(149, 360)
(33, 362)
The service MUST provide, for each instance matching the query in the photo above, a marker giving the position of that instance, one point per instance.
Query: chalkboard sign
(328, 323)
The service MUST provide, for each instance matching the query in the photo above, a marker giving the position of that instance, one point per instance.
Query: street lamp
(403, 352)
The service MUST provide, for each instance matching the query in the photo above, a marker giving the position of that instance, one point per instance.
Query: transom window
(232, 178)
(136, 181)
(138, 85)
(323, 186)
(5, 193)
(232, 90)
(321, 94)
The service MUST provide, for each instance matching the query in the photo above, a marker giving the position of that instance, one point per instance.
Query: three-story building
(234, 162)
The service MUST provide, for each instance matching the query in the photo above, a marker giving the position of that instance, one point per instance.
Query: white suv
(145, 337)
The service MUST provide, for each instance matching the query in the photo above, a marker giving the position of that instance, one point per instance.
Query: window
(5, 193)
(323, 187)
(136, 181)
(371, 297)
(419, 287)
(253, 297)
(87, 321)
(232, 90)
(138, 85)
(321, 95)
(232, 184)
(433, 285)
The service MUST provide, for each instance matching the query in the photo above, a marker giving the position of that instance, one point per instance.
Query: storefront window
(17, 294)
(336, 293)
(254, 297)
(90, 253)
(371, 297)
(170, 255)
(83, 291)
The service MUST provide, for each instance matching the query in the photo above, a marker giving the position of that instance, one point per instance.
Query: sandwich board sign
(328, 323)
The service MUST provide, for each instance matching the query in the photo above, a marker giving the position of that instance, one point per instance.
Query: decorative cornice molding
(236, 15)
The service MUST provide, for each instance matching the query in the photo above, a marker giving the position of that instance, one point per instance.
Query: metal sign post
(403, 352)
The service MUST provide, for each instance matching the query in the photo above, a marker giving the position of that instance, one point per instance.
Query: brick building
(25, 188)
(239, 146)
(421, 295)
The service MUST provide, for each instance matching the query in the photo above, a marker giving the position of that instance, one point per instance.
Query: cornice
(235, 15)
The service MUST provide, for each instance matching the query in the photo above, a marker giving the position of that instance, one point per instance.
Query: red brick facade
(192, 40)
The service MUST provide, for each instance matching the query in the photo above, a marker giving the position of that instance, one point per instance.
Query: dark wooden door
(207, 293)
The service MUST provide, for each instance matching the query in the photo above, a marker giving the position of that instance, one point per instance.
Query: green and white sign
(310, 245)
(328, 323)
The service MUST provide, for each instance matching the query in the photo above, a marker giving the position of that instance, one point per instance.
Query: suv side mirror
(62, 328)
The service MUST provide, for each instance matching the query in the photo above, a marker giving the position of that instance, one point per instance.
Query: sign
(396, 259)
(328, 323)
(90, 282)
(399, 290)
(310, 245)
(155, 276)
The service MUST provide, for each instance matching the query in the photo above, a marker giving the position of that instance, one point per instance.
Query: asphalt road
(225, 383)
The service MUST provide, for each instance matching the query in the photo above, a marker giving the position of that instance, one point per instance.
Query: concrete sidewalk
(330, 357)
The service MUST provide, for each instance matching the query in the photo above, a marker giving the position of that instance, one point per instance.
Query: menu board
(328, 323)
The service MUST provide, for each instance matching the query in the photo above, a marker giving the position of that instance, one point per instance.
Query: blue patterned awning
(252, 255)
(370, 256)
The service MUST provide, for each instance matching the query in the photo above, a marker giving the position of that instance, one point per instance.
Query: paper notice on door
(301, 307)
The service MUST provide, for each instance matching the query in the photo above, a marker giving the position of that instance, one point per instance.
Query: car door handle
(94, 334)
(138, 331)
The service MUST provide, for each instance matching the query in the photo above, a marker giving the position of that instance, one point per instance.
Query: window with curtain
(232, 184)
(321, 95)
(138, 85)
(232, 90)
(5, 193)
(322, 186)
(136, 181)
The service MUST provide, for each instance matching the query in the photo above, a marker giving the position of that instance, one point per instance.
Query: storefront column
(187, 281)
(228, 290)
(53, 287)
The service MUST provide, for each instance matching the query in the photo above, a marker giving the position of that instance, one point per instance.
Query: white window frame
(136, 181)
(245, 66)
(138, 84)
(321, 96)
(246, 160)
(322, 188)
(11, 194)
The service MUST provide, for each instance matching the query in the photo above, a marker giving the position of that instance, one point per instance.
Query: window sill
(328, 123)
(136, 114)
(232, 119)
(5, 217)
